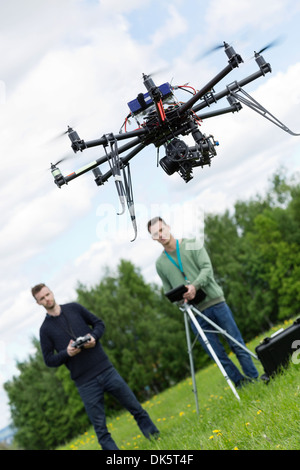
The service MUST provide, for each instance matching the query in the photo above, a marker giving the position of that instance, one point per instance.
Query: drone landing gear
(249, 101)
(124, 186)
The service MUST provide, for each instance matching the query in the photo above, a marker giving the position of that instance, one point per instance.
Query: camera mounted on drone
(161, 119)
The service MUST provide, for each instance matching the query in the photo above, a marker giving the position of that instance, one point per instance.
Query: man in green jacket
(186, 261)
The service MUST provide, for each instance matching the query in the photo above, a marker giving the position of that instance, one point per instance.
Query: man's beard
(51, 306)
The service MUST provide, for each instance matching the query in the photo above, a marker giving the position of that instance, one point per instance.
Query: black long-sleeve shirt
(56, 333)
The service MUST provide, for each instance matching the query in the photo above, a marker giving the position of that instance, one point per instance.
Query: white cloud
(32, 225)
(231, 16)
(173, 26)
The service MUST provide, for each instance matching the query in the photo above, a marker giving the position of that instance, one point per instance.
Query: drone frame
(163, 126)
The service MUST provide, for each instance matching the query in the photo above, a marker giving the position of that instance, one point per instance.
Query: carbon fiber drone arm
(80, 145)
(213, 98)
(235, 99)
(60, 180)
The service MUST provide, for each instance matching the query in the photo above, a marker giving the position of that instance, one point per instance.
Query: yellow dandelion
(181, 413)
(211, 437)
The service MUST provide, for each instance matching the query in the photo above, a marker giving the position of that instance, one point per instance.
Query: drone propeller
(216, 48)
(211, 50)
(272, 44)
(60, 135)
(63, 159)
(158, 71)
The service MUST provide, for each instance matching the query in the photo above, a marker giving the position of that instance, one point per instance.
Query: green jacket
(197, 267)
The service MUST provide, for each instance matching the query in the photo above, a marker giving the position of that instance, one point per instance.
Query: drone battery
(274, 352)
(135, 105)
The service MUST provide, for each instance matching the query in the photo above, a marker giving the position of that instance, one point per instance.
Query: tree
(256, 256)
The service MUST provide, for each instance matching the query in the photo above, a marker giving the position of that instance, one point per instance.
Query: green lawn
(265, 418)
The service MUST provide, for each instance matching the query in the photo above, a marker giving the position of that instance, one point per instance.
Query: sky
(78, 63)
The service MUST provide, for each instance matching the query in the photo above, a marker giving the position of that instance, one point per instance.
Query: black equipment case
(274, 352)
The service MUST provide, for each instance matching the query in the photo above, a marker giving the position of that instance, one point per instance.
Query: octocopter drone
(161, 120)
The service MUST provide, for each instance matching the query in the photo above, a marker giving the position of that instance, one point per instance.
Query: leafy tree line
(256, 258)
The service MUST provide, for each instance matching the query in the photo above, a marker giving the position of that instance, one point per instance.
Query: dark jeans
(223, 317)
(92, 394)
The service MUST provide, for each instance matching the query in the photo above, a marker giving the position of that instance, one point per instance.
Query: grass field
(265, 418)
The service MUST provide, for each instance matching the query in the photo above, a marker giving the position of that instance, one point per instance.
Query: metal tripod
(189, 314)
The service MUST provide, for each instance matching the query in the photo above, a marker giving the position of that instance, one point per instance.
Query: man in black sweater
(89, 366)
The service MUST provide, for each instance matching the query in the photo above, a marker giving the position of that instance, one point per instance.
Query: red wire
(161, 110)
(187, 86)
